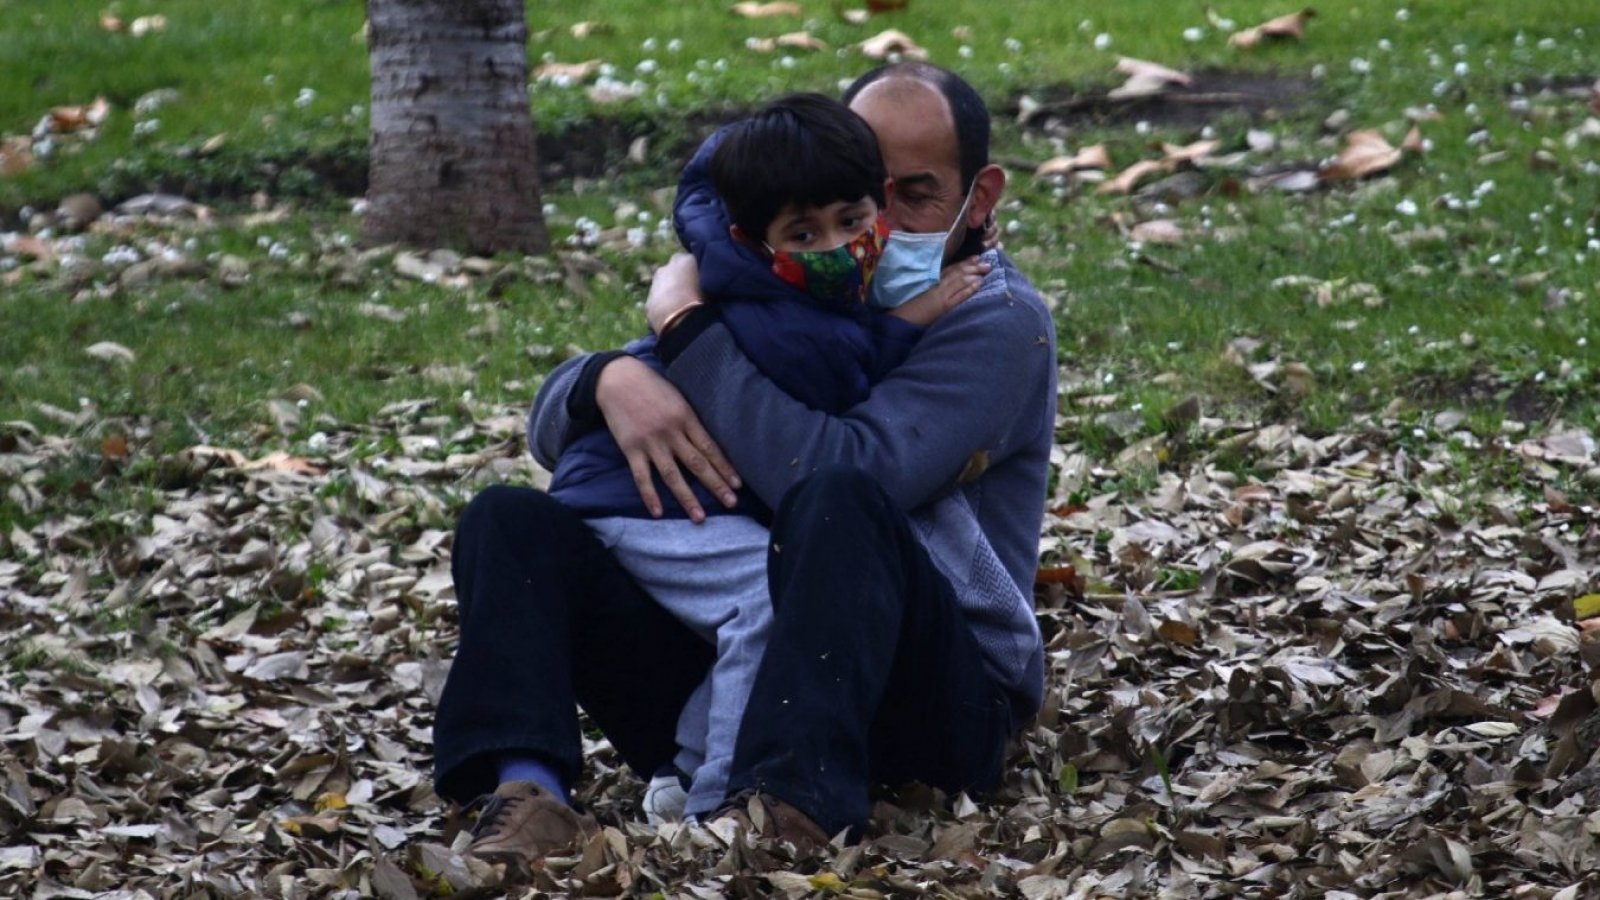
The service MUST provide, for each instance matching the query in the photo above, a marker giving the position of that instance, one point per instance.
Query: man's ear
(738, 234)
(987, 187)
(888, 195)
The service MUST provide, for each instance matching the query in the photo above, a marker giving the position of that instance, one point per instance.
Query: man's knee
(839, 490)
(506, 510)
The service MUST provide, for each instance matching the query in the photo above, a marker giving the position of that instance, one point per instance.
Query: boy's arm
(973, 383)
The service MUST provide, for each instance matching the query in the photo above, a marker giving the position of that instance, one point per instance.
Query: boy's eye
(801, 237)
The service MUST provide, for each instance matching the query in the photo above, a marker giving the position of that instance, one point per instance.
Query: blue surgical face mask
(911, 263)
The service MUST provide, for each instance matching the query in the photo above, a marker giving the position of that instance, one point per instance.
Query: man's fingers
(724, 471)
(639, 465)
(667, 465)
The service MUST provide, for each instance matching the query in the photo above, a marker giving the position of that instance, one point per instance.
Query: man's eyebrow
(917, 180)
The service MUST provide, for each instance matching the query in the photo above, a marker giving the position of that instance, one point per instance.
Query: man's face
(917, 136)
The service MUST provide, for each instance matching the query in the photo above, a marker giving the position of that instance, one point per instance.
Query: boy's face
(821, 227)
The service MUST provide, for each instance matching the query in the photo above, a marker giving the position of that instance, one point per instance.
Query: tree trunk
(453, 157)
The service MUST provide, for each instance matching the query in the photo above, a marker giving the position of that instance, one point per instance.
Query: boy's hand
(674, 286)
(991, 232)
(656, 429)
(958, 282)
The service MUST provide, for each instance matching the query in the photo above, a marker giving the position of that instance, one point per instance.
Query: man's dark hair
(807, 150)
(967, 109)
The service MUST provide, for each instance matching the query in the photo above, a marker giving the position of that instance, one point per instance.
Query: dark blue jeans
(549, 620)
(871, 675)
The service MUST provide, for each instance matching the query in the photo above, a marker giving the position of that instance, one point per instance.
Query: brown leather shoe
(780, 820)
(522, 822)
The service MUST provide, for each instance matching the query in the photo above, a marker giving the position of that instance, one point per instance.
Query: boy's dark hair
(967, 109)
(807, 150)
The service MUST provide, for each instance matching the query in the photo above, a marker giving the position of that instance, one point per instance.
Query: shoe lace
(491, 809)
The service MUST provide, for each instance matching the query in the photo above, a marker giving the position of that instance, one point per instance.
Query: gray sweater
(959, 435)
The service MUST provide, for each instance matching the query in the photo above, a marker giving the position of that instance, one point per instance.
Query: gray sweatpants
(713, 578)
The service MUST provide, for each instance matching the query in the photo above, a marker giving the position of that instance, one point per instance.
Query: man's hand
(658, 431)
(674, 286)
(958, 282)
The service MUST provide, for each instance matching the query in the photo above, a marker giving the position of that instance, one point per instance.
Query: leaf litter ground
(1284, 665)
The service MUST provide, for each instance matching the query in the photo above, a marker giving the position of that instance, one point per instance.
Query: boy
(783, 214)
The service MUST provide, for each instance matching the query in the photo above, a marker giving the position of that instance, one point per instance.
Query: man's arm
(651, 422)
(970, 385)
(551, 423)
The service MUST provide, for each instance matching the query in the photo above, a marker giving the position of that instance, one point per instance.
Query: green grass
(1461, 323)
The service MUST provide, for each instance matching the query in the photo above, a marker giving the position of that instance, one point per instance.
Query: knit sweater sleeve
(564, 409)
(971, 385)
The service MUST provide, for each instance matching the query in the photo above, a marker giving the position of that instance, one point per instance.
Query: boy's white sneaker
(664, 799)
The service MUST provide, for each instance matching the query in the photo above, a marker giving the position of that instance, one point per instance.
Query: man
(902, 552)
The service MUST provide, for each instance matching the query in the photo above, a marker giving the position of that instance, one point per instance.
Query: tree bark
(453, 160)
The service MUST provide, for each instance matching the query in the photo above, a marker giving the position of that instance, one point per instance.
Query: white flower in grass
(1358, 366)
(964, 51)
(1402, 14)
(304, 98)
(674, 45)
(1013, 45)
(1102, 41)
(1462, 69)
(1406, 207)
(1360, 66)
(1194, 35)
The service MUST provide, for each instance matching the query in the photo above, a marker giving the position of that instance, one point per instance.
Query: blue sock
(513, 767)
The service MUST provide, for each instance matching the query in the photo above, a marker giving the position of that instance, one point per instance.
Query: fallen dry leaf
(1290, 26)
(1365, 152)
(1145, 79)
(110, 22)
(1413, 141)
(571, 72)
(1188, 153)
(797, 40)
(32, 246)
(892, 43)
(1093, 156)
(581, 30)
(1159, 231)
(67, 119)
(1129, 178)
(766, 10)
(110, 351)
(16, 155)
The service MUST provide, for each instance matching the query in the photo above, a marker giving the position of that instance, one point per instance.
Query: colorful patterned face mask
(839, 277)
